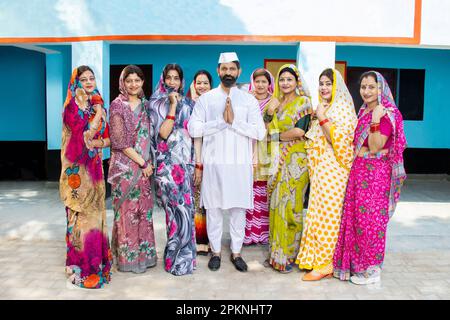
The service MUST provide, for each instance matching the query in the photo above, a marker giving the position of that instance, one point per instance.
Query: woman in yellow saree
(330, 156)
(287, 119)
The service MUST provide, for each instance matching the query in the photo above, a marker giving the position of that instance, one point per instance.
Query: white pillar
(312, 59)
(55, 99)
(94, 54)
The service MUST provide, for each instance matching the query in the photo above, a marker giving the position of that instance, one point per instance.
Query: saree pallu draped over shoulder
(329, 165)
(133, 239)
(372, 193)
(257, 219)
(82, 190)
(288, 180)
(173, 160)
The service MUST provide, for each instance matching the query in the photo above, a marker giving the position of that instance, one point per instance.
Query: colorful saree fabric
(133, 239)
(257, 219)
(289, 179)
(329, 166)
(82, 190)
(201, 234)
(372, 193)
(173, 160)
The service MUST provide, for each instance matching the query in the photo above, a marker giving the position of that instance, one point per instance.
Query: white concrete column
(55, 99)
(312, 59)
(95, 54)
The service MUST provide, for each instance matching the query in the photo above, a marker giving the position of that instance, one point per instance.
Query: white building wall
(345, 18)
(312, 59)
(435, 22)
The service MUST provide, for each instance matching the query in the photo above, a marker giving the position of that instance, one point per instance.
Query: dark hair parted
(327, 73)
(130, 69)
(287, 69)
(82, 69)
(237, 63)
(368, 74)
(206, 73)
(262, 72)
(173, 66)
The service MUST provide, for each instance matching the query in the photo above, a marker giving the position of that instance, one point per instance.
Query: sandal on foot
(288, 269)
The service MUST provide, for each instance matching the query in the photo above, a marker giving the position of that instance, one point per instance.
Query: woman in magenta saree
(374, 184)
(81, 185)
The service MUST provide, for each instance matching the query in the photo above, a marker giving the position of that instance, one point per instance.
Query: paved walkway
(32, 255)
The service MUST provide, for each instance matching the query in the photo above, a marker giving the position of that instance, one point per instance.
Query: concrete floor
(32, 255)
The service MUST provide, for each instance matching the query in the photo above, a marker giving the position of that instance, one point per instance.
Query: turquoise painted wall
(58, 72)
(433, 131)
(66, 55)
(22, 88)
(195, 57)
(23, 75)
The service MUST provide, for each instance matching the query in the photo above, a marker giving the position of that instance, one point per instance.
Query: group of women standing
(140, 133)
(354, 167)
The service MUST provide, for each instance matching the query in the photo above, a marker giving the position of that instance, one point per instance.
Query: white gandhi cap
(226, 57)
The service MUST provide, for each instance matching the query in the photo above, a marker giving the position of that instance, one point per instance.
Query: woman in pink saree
(133, 240)
(82, 187)
(374, 184)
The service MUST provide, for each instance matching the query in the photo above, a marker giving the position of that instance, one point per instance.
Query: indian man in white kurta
(228, 119)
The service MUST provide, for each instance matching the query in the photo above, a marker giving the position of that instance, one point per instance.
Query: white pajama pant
(214, 227)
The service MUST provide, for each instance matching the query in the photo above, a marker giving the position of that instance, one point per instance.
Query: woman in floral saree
(374, 184)
(173, 154)
(330, 155)
(133, 240)
(287, 117)
(82, 186)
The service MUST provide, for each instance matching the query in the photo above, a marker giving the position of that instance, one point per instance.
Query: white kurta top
(227, 149)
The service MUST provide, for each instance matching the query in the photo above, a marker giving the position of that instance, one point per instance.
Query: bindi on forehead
(172, 73)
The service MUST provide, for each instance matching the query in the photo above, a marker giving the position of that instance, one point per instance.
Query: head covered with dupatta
(130, 69)
(395, 154)
(301, 89)
(252, 87)
(75, 90)
(159, 102)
